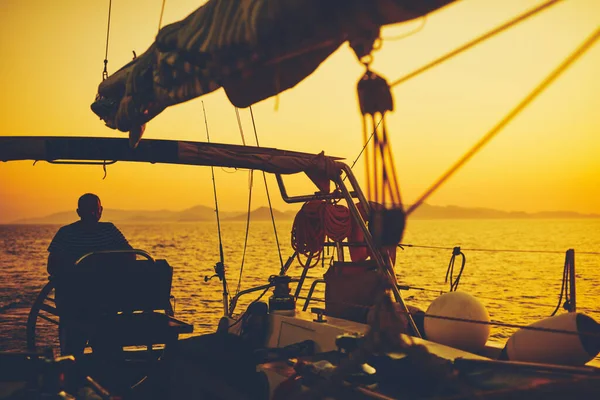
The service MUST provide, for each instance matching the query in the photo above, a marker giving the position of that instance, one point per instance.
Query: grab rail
(310, 293)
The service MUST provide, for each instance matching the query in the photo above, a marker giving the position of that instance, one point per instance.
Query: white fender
(468, 336)
(556, 348)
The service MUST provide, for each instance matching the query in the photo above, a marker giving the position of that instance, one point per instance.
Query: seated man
(84, 236)
(73, 241)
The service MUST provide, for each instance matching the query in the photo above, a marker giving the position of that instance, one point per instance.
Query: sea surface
(519, 286)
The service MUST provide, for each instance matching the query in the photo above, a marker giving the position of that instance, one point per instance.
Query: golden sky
(546, 159)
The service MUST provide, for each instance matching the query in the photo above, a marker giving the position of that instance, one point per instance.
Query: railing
(308, 297)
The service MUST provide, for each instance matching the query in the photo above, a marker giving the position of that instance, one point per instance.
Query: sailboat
(366, 342)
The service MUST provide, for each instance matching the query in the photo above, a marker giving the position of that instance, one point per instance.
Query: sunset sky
(548, 158)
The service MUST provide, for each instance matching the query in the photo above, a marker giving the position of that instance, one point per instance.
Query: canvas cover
(320, 168)
(254, 49)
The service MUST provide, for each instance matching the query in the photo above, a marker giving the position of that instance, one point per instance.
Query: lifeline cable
(441, 292)
(496, 250)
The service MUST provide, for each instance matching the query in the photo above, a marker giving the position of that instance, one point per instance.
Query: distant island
(203, 213)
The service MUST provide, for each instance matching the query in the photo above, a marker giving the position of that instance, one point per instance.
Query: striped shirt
(78, 239)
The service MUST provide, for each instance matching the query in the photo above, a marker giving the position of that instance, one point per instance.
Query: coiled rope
(317, 220)
(450, 271)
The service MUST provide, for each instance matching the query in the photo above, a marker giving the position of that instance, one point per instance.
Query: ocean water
(517, 287)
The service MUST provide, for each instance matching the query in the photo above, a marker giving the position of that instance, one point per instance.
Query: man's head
(89, 208)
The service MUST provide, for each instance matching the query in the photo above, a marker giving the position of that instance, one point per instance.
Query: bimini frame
(319, 168)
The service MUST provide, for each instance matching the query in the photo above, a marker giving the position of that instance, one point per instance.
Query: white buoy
(556, 348)
(462, 335)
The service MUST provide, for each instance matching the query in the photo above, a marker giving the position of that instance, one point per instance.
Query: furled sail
(254, 49)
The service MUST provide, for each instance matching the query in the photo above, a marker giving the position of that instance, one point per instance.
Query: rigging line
(268, 195)
(212, 170)
(105, 71)
(250, 183)
(366, 143)
(509, 117)
(239, 121)
(239, 285)
(162, 11)
(474, 42)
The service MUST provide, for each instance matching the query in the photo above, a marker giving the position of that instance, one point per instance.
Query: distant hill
(203, 213)
(427, 211)
(193, 214)
(263, 214)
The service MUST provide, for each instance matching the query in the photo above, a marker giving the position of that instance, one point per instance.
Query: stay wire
(212, 171)
(105, 71)
(162, 11)
(475, 41)
(268, 194)
(250, 184)
(509, 117)
(366, 143)
(239, 285)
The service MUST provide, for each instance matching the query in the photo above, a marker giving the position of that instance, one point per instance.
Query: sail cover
(254, 49)
(319, 168)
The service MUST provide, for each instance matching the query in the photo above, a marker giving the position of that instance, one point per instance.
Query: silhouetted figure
(73, 241)
(70, 243)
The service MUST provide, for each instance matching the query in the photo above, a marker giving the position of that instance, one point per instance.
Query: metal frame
(132, 251)
(383, 261)
(310, 293)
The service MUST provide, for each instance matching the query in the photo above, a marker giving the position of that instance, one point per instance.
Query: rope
(450, 271)
(316, 220)
(474, 42)
(268, 195)
(565, 285)
(307, 233)
(105, 71)
(520, 107)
